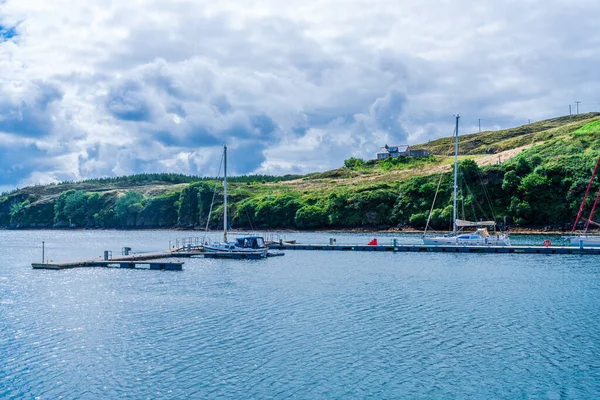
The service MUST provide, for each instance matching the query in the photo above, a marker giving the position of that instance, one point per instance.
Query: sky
(96, 88)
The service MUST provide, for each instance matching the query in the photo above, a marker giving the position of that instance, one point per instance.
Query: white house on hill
(393, 151)
(400, 151)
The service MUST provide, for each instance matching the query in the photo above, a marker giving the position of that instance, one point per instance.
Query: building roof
(401, 148)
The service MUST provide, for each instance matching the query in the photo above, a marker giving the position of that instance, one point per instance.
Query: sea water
(310, 325)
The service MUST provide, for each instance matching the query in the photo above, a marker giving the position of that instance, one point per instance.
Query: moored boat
(251, 245)
(481, 236)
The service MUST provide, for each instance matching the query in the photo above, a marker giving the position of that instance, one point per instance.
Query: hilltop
(490, 142)
(532, 175)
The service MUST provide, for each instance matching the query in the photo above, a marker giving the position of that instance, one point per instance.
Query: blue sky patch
(7, 33)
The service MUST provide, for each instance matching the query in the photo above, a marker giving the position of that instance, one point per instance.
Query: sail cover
(462, 223)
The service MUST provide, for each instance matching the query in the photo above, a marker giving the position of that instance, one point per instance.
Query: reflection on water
(307, 325)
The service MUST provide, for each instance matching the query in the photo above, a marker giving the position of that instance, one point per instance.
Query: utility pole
(577, 102)
(479, 125)
(570, 119)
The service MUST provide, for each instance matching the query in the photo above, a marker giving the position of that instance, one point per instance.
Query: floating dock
(418, 248)
(133, 261)
(152, 265)
(143, 260)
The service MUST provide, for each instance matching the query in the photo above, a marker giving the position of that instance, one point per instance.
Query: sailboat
(481, 236)
(253, 246)
(585, 239)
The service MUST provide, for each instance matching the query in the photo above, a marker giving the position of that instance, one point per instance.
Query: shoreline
(519, 231)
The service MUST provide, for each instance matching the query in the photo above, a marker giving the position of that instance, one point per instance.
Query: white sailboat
(481, 236)
(585, 239)
(252, 245)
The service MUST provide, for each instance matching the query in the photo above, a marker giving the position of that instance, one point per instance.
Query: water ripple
(308, 325)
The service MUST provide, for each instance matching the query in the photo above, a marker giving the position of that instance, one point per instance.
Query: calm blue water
(310, 325)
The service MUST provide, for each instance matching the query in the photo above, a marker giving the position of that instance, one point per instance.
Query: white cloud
(110, 87)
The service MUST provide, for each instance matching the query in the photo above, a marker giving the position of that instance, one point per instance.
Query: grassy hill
(506, 139)
(533, 175)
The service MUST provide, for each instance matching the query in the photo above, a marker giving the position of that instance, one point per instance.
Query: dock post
(43, 257)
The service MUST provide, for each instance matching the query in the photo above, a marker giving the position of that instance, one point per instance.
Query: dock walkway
(143, 260)
(135, 261)
(416, 248)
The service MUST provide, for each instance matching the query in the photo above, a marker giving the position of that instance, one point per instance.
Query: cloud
(126, 87)
(127, 102)
(26, 108)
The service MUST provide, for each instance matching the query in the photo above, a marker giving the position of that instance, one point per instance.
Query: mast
(587, 225)
(587, 191)
(225, 193)
(455, 176)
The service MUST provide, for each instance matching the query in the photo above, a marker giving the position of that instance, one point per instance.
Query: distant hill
(533, 175)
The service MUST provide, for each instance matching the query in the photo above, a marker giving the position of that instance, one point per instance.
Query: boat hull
(233, 249)
(453, 241)
(585, 241)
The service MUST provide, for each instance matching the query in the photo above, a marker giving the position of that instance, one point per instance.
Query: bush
(418, 220)
(354, 162)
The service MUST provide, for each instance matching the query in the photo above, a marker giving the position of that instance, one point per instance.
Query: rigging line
(438, 188)
(213, 198)
(249, 219)
(433, 204)
(487, 195)
(483, 214)
(462, 199)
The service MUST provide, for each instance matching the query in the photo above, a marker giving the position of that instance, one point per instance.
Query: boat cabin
(250, 242)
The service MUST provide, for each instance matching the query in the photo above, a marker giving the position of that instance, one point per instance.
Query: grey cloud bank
(104, 88)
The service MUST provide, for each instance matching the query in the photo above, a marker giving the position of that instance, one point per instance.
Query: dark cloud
(245, 157)
(127, 101)
(19, 161)
(264, 124)
(222, 105)
(196, 137)
(29, 113)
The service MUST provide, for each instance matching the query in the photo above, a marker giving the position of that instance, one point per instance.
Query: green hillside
(540, 181)
(496, 141)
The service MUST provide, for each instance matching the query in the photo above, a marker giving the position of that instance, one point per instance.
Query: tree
(71, 209)
(511, 182)
(470, 170)
(418, 220)
(128, 207)
(158, 212)
(353, 163)
(310, 217)
(187, 214)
